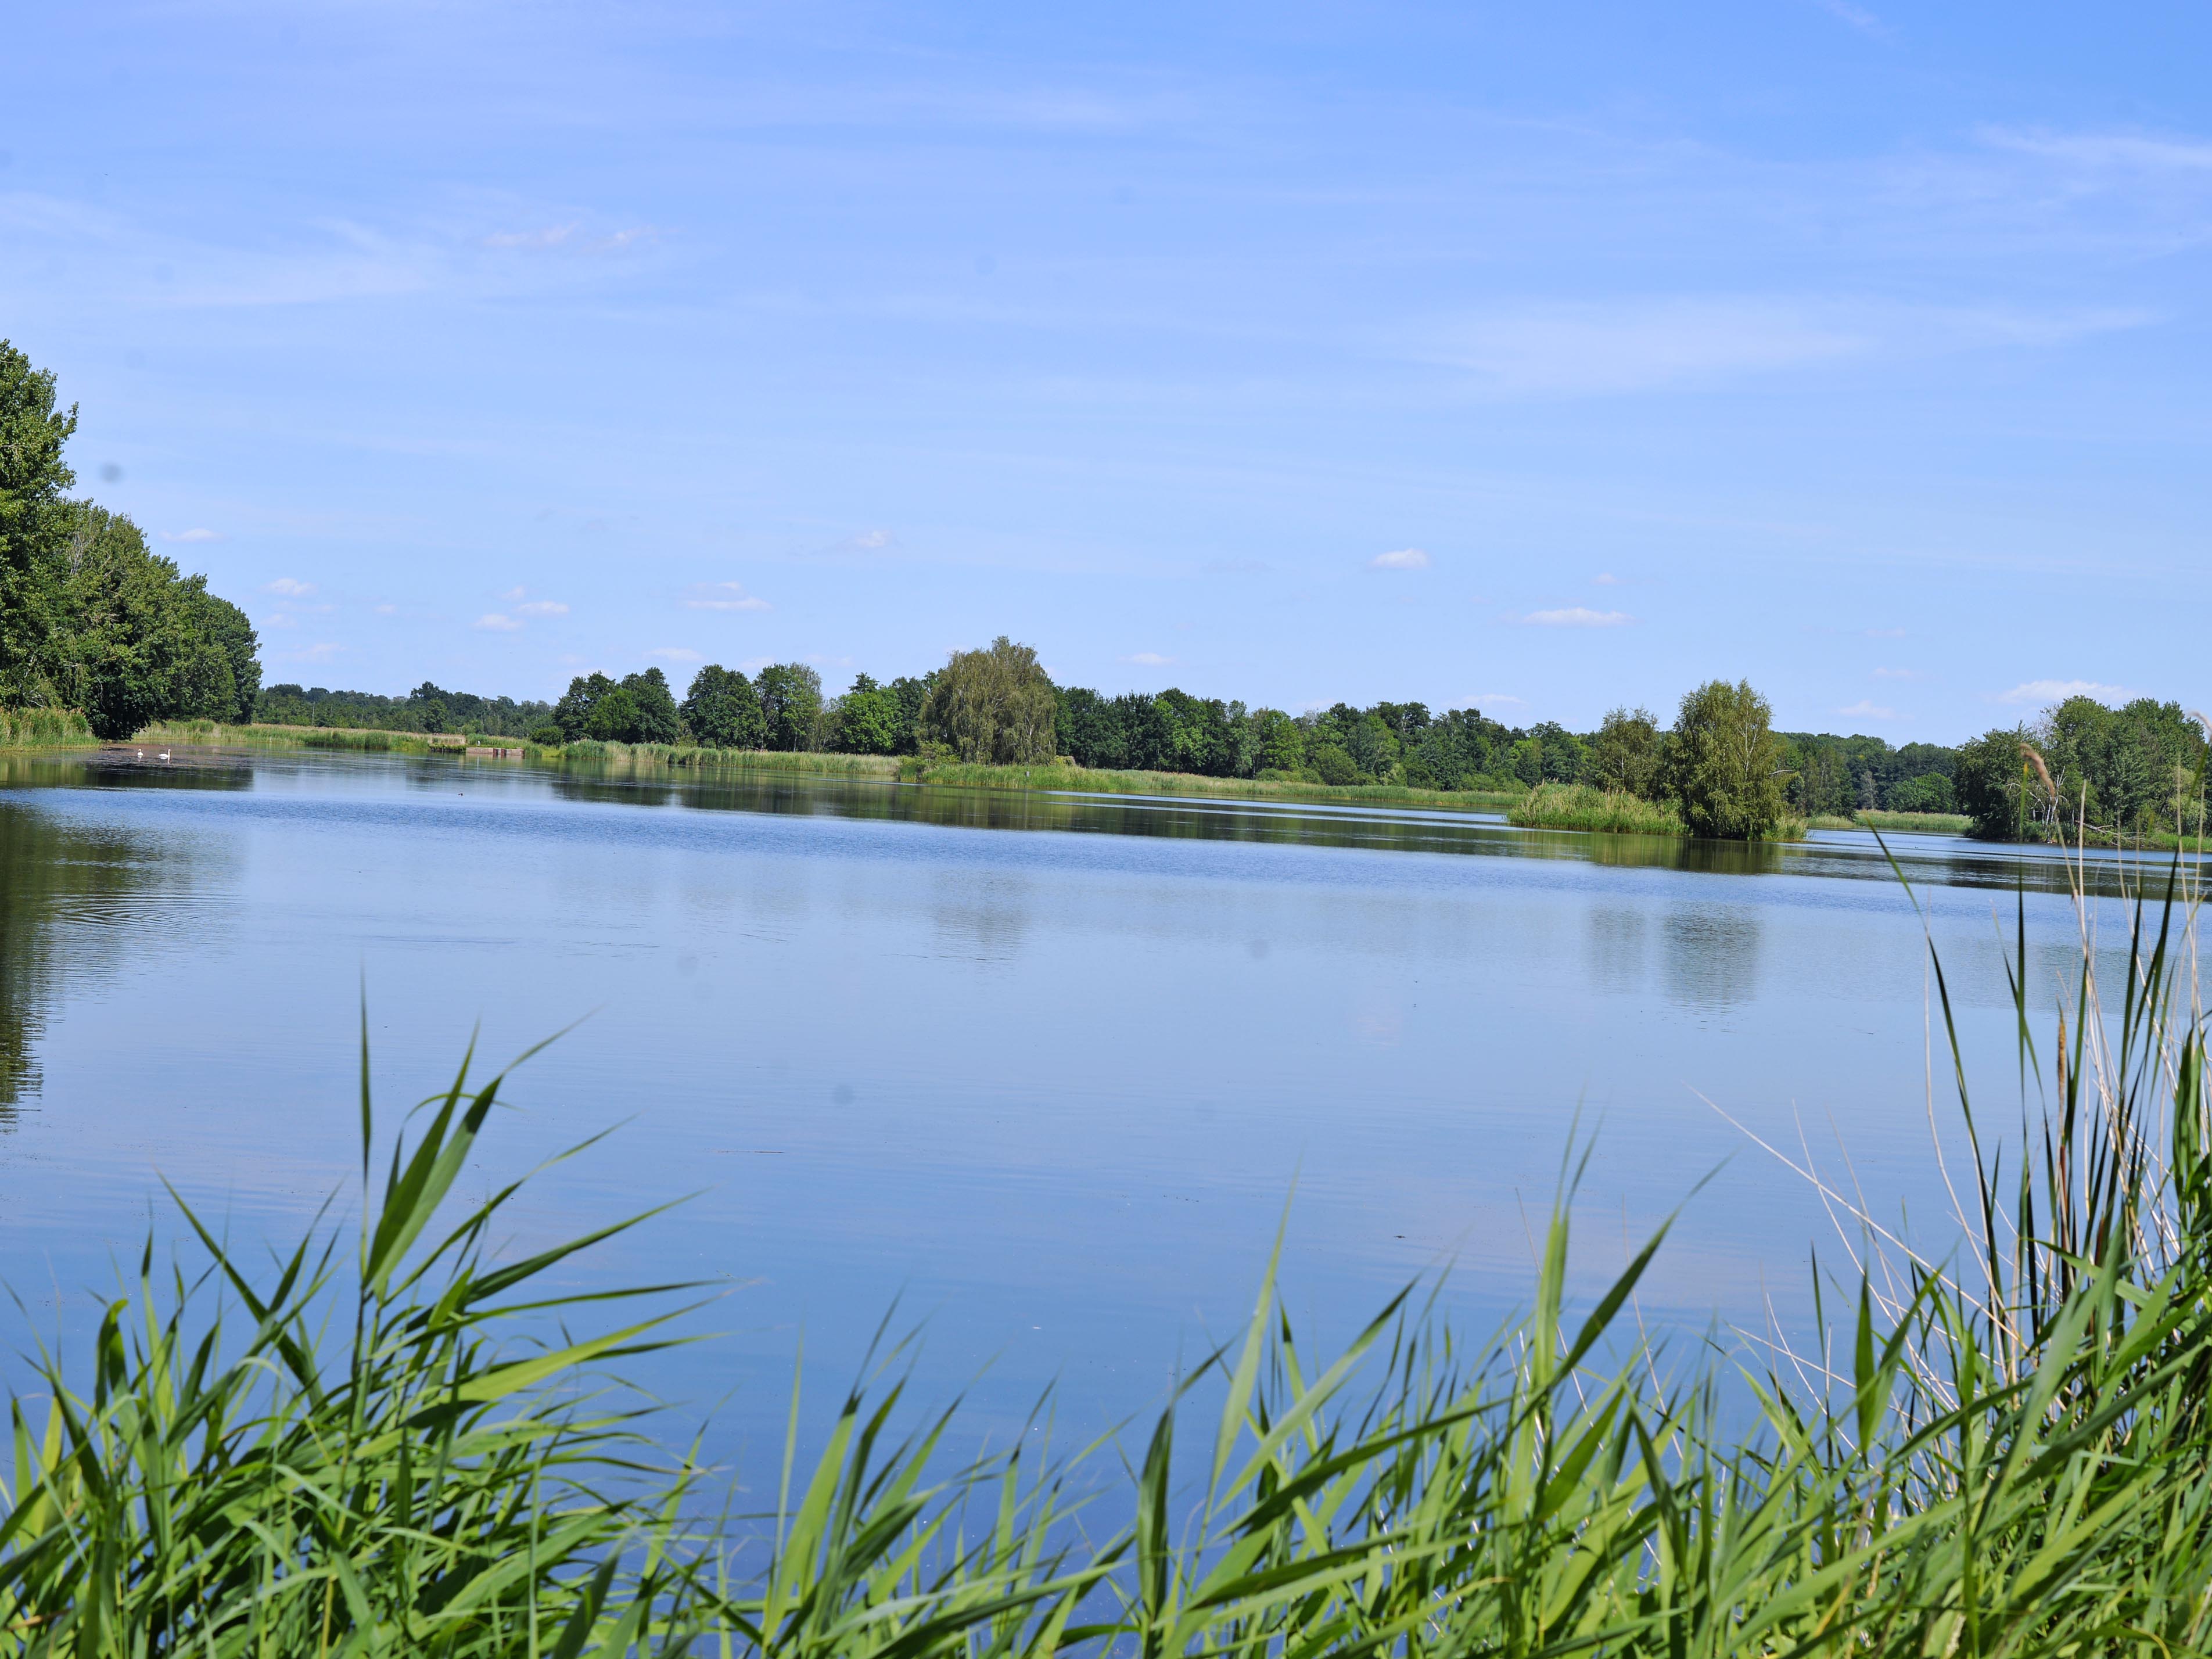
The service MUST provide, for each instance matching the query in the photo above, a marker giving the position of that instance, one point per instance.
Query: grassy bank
(1923, 823)
(1998, 1450)
(44, 728)
(961, 775)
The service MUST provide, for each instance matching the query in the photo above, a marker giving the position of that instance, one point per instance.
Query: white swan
(165, 754)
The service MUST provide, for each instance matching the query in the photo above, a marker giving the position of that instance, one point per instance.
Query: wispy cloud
(1498, 697)
(724, 596)
(513, 593)
(545, 236)
(1598, 349)
(1406, 558)
(291, 586)
(1605, 579)
(543, 608)
(1149, 660)
(321, 650)
(2045, 691)
(872, 538)
(2133, 151)
(672, 654)
(1865, 709)
(1577, 615)
(1858, 16)
(498, 621)
(1899, 674)
(197, 535)
(1885, 633)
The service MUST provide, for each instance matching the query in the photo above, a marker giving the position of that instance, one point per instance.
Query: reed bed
(1999, 1443)
(44, 728)
(1063, 776)
(1921, 823)
(1580, 806)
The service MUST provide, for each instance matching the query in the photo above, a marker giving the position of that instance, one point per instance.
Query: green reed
(44, 728)
(1582, 807)
(2000, 1446)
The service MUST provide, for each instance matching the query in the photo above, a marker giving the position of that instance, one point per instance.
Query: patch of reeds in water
(2003, 1446)
(1581, 806)
(44, 728)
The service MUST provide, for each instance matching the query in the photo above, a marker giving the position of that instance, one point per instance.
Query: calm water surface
(1042, 1071)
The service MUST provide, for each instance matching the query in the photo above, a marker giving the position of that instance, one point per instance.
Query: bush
(1329, 763)
(548, 735)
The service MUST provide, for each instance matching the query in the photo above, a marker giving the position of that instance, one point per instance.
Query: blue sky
(1544, 358)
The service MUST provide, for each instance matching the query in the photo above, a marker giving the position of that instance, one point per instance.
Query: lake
(1035, 1076)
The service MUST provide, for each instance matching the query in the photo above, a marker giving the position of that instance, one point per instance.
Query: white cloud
(290, 586)
(1577, 615)
(1605, 579)
(1406, 558)
(321, 650)
(1481, 697)
(872, 538)
(280, 620)
(2135, 150)
(1866, 710)
(1885, 633)
(1899, 674)
(387, 609)
(672, 654)
(2045, 691)
(1149, 660)
(545, 237)
(544, 607)
(513, 593)
(1629, 345)
(497, 623)
(193, 536)
(1858, 16)
(724, 596)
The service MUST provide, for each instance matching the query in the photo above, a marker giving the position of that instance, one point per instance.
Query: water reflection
(1615, 947)
(1712, 956)
(69, 900)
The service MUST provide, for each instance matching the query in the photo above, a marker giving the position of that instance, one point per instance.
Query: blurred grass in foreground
(2000, 1447)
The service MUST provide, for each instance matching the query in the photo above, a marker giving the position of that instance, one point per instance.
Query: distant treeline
(428, 708)
(2134, 766)
(2129, 770)
(91, 618)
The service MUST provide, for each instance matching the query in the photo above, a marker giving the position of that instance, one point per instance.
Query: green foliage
(1624, 757)
(2090, 771)
(1931, 792)
(869, 720)
(136, 649)
(36, 519)
(791, 706)
(1334, 765)
(994, 706)
(639, 709)
(292, 704)
(89, 618)
(1724, 764)
(722, 709)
